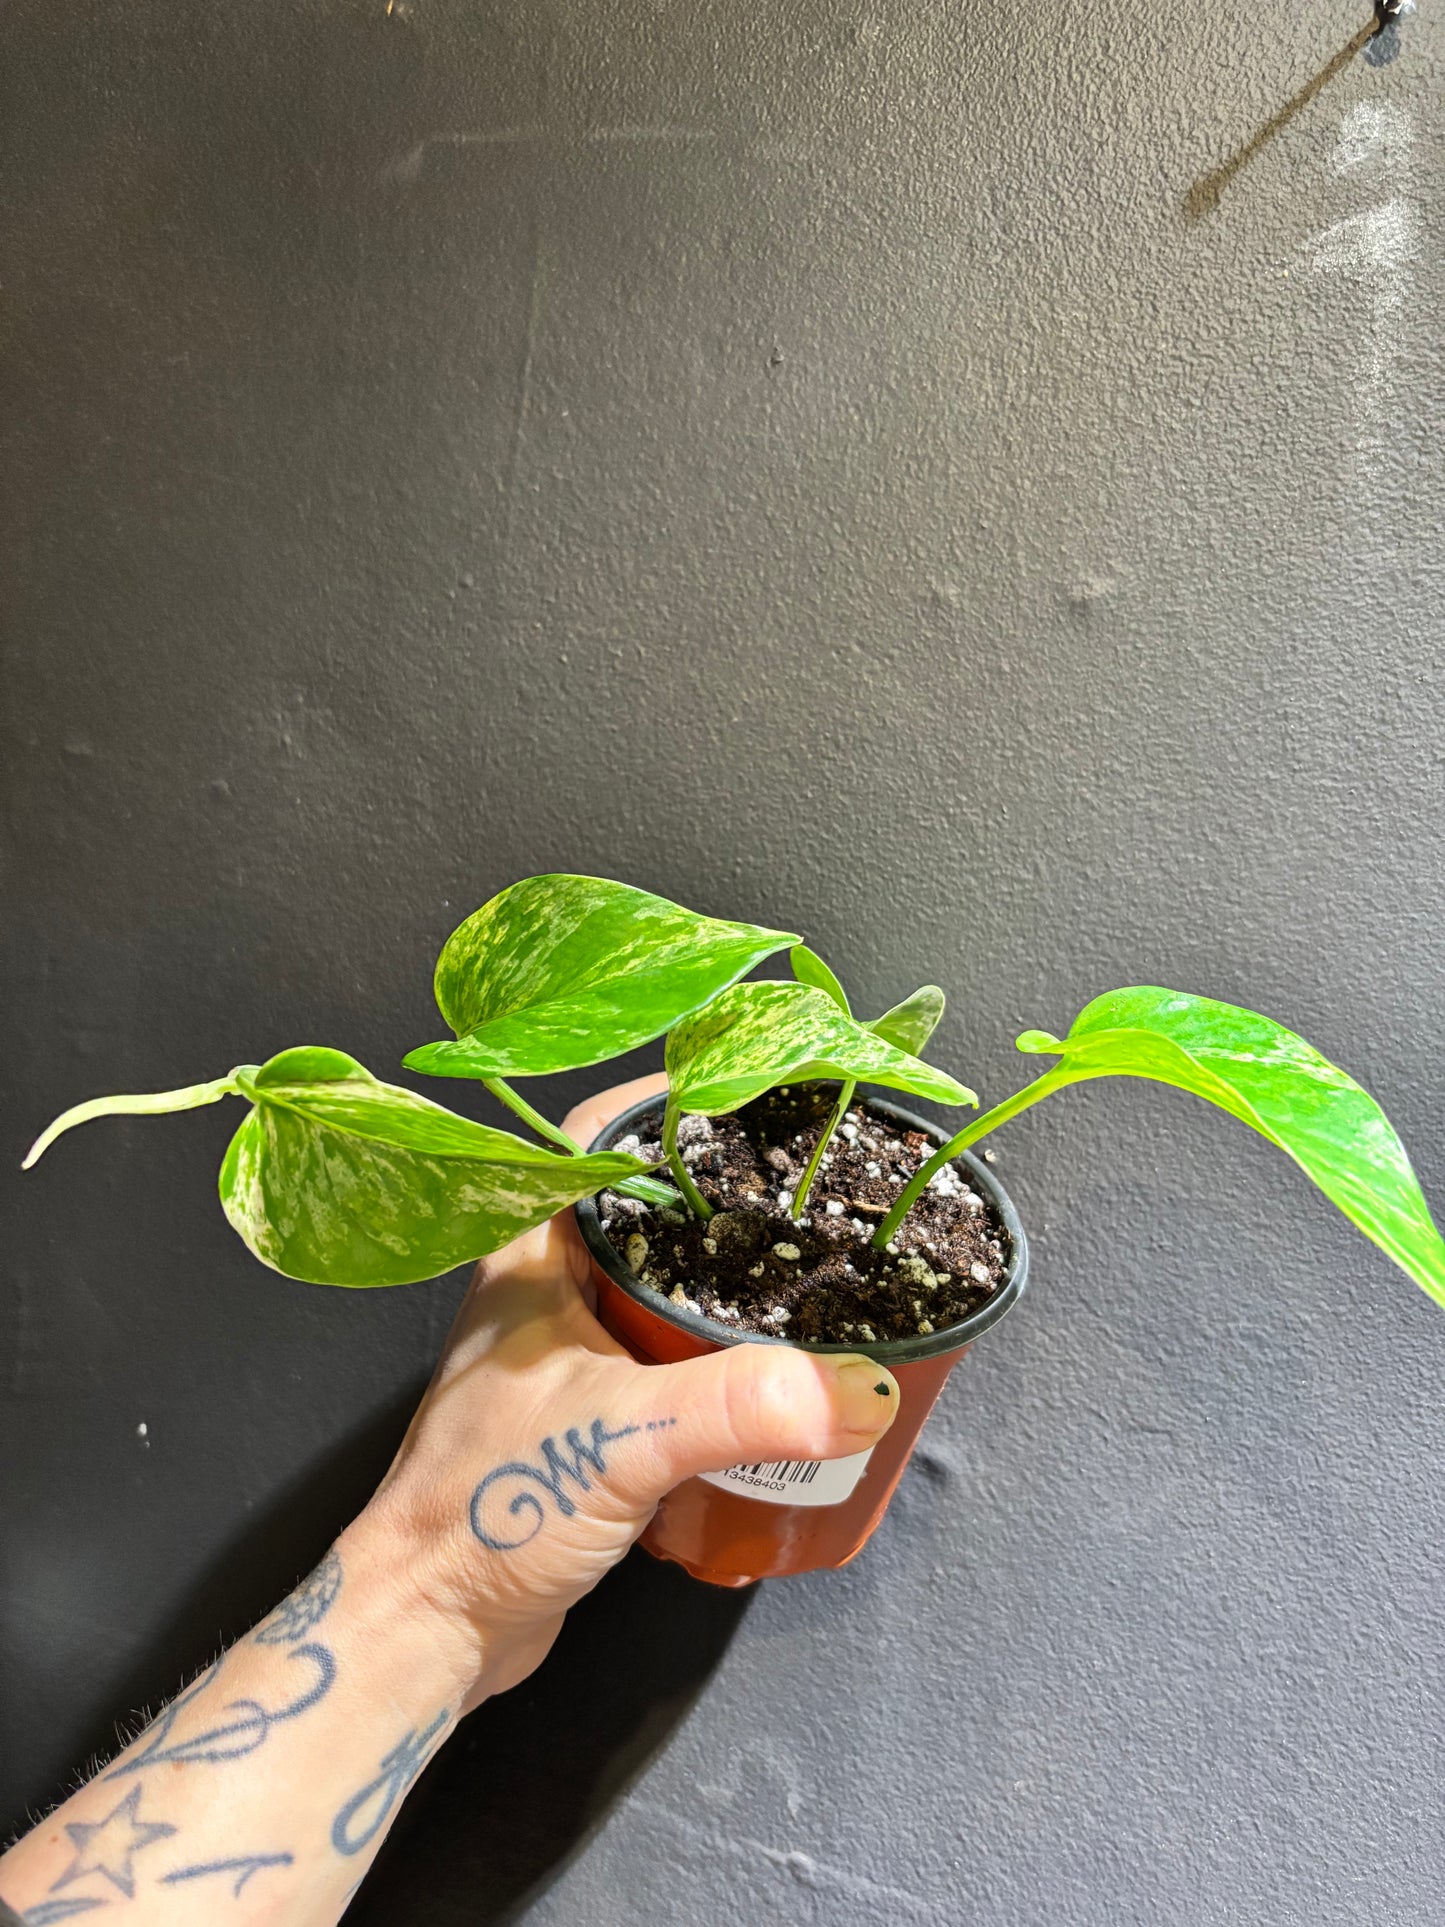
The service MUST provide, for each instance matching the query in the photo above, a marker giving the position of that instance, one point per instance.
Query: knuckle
(761, 1393)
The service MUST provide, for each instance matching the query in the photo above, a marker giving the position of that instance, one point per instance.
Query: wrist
(425, 1639)
(411, 1648)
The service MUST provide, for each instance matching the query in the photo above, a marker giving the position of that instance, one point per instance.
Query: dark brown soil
(819, 1279)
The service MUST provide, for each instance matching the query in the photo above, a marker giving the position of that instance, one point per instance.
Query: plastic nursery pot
(767, 1522)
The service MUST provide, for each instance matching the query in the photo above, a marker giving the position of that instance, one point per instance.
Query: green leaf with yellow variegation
(755, 1036)
(559, 972)
(338, 1179)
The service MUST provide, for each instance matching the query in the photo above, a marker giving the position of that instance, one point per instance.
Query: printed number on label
(794, 1481)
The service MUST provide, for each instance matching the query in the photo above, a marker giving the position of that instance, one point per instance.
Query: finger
(749, 1403)
(585, 1120)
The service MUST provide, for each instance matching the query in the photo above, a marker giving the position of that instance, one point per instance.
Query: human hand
(541, 1449)
(536, 1458)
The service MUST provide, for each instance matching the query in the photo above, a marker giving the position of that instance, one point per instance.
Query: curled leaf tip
(1037, 1040)
(150, 1103)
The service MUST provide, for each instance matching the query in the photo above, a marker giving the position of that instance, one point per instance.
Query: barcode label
(794, 1481)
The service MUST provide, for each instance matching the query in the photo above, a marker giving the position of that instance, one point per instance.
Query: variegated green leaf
(809, 968)
(338, 1179)
(1276, 1083)
(757, 1035)
(909, 1025)
(558, 972)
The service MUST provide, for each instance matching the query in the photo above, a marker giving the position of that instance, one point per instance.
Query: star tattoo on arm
(108, 1846)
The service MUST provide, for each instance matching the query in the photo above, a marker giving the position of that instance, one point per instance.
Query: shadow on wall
(529, 1776)
(1378, 40)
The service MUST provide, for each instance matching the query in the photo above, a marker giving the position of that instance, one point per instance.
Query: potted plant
(761, 1201)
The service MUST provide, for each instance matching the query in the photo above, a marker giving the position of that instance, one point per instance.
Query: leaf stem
(543, 1126)
(970, 1134)
(845, 1098)
(696, 1202)
(650, 1190)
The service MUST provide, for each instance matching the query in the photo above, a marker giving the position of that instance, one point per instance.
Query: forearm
(262, 1793)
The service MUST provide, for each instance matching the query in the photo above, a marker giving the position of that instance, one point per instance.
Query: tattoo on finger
(561, 1466)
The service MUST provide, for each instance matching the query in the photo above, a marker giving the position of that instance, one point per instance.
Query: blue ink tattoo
(242, 1869)
(245, 1724)
(50, 1911)
(550, 1475)
(306, 1607)
(367, 1812)
(108, 1846)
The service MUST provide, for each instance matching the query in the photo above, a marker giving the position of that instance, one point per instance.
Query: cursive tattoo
(50, 1911)
(244, 1724)
(242, 1868)
(557, 1468)
(108, 1846)
(306, 1607)
(367, 1812)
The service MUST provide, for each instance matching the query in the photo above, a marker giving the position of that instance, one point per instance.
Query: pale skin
(536, 1458)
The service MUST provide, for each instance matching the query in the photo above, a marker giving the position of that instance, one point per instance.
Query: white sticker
(794, 1481)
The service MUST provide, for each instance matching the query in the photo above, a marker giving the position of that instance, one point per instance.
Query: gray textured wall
(808, 461)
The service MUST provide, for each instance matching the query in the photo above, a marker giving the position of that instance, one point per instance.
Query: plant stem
(541, 1125)
(696, 1202)
(845, 1098)
(650, 1190)
(970, 1134)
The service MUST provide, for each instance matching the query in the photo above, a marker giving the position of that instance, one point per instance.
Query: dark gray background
(807, 461)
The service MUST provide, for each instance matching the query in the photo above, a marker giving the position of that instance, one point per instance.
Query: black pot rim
(890, 1351)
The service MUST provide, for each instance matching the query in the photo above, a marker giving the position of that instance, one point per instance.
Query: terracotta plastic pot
(766, 1522)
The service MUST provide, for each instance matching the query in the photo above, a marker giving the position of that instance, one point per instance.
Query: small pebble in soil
(978, 1273)
(833, 1208)
(709, 1245)
(635, 1252)
(790, 1253)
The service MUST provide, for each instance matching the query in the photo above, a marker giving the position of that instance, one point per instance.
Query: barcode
(800, 1482)
(784, 1471)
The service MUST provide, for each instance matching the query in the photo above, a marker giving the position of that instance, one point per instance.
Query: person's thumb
(757, 1402)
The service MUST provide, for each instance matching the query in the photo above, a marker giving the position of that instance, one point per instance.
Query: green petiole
(543, 1126)
(696, 1202)
(650, 1190)
(970, 1134)
(845, 1098)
